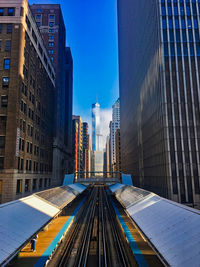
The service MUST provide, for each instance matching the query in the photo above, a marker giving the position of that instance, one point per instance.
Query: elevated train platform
(153, 231)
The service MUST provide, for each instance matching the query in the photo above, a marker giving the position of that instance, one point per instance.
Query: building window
(6, 64)
(0, 44)
(45, 182)
(50, 51)
(38, 17)
(51, 37)
(34, 187)
(2, 123)
(4, 101)
(27, 185)
(1, 11)
(9, 28)
(2, 141)
(1, 168)
(8, 46)
(51, 44)
(5, 82)
(11, 11)
(40, 183)
(38, 23)
(51, 59)
(19, 186)
(51, 24)
(51, 30)
(52, 17)
(39, 10)
(1, 27)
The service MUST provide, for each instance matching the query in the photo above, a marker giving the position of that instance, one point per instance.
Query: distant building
(118, 150)
(77, 144)
(68, 108)
(114, 125)
(50, 22)
(27, 90)
(107, 163)
(159, 66)
(86, 149)
(97, 162)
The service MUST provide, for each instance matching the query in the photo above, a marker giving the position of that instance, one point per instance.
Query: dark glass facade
(159, 56)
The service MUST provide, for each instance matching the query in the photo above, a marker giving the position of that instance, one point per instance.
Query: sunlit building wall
(27, 86)
(114, 125)
(159, 61)
(77, 143)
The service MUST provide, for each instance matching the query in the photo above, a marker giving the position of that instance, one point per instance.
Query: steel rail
(115, 232)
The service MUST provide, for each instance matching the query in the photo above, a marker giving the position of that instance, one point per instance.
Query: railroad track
(95, 238)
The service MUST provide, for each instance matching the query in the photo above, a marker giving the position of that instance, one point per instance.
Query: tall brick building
(50, 22)
(27, 84)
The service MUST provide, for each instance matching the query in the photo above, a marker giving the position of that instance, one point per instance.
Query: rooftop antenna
(96, 98)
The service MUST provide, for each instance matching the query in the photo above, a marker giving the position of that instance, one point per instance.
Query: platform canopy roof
(21, 219)
(173, 229)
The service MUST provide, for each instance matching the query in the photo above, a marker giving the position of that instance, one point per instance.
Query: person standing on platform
(33, 242)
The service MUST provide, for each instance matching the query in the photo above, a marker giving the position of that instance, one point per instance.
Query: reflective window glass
(178, 49)
(191, 49)
(185, 49)
(163, 11)
(183, 23)
(170, 23)
(176, 24)
(164, 24)
(178, 38)
(198, 48)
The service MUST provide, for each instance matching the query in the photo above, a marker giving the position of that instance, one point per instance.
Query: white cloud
(106, 117)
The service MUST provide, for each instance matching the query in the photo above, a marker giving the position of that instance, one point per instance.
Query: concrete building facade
(114, 125)
(27, 84)
(159, 59)
(77, 143)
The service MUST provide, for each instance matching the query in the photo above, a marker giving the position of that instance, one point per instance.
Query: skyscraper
(114, 125)
(97, 150)
(96, 128)
(27, 87)
(50, 22)
(159, 59)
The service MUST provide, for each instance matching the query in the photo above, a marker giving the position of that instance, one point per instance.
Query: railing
(98, 176)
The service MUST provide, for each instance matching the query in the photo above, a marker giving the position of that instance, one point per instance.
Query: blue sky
(91, 28)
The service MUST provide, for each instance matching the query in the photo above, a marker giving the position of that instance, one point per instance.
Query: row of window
(10, 11)
(39, 17)
(180, 34)
(30, 131)
(36, 166)
(35, 183)
(7, 46)
(182, 10)
(39, 46)
(8, 28)
(177, 24)
(192, 47)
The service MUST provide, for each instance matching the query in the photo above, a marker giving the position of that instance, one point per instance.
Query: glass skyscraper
(96, 128)
(97, 151)
(159, 56)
